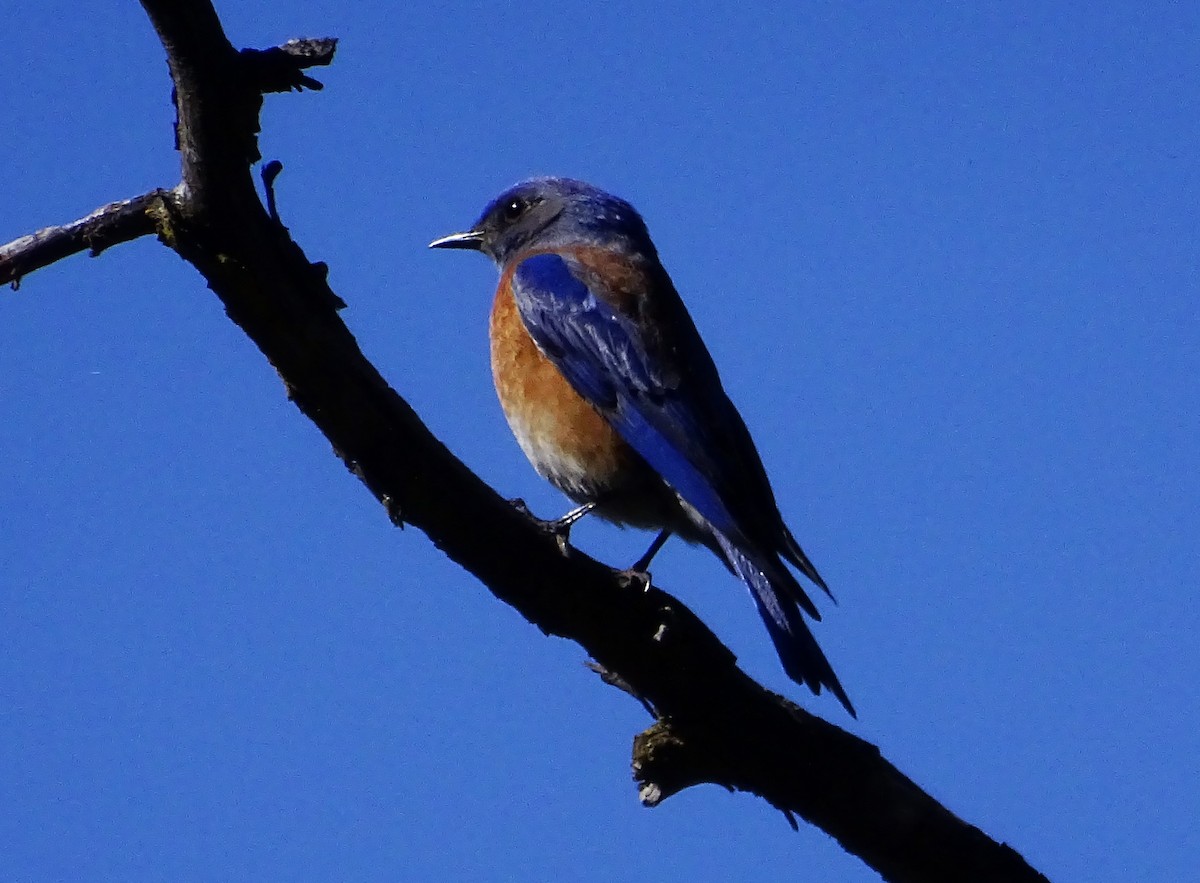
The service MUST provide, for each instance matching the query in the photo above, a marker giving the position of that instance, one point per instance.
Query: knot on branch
(665, 763)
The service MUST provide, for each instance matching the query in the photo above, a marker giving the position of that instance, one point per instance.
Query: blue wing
(642, 364)
(646, 369)
(606, 358)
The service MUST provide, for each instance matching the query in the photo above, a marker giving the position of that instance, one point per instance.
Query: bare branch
(281, 69)
(107, 226)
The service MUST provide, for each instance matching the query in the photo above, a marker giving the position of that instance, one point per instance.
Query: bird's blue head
(552, 213)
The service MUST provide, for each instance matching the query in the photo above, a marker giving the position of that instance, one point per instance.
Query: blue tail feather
(779, 607)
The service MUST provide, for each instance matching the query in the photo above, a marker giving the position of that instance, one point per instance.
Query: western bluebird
(614, 398)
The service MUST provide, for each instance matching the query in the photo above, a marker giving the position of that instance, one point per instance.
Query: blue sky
(946, 259)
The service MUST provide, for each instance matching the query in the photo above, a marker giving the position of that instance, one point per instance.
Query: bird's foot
(563, 525)
(639, 573)
(635, 578)
(642, 565)
(559, 528)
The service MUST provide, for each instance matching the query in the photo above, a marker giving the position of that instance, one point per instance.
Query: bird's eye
(515, 208)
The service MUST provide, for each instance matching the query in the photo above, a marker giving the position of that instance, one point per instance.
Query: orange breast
(563, 436)
(568, 441)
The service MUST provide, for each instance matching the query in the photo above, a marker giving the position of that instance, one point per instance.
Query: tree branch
(714, 723)
(281, 68)
(107, 226)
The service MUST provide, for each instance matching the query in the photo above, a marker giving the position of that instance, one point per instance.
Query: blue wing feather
(600, 352)
(682, 423)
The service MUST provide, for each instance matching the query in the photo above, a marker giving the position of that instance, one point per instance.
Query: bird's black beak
(472, 239)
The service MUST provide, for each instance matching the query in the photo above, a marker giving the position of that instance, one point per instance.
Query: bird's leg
(642, 563)
(637, 573)
(563, 525)
(559, 528)
(557, 525)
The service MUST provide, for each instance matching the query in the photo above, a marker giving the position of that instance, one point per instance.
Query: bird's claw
(634, 578)
(559, 528)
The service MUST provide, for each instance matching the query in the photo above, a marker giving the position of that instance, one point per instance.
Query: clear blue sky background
(946, 259)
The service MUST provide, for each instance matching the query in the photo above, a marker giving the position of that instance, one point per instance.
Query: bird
(614, 398)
